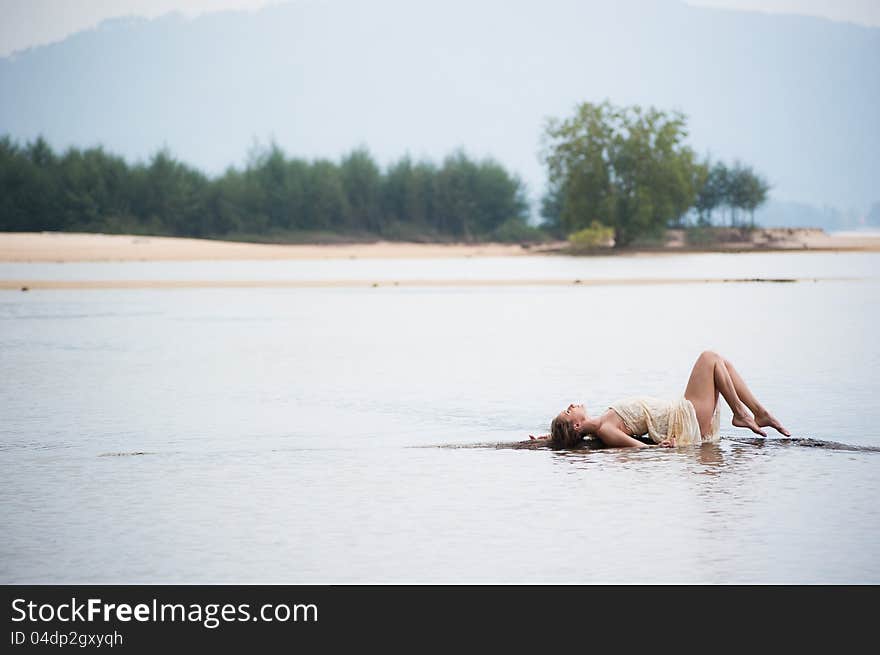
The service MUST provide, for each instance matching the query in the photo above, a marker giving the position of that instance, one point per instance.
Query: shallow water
(290, 435)
(708, 265)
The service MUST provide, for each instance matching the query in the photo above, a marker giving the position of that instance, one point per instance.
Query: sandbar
(78, 247)
(65, 247)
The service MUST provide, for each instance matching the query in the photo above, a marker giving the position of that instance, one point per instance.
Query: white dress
(664, 419)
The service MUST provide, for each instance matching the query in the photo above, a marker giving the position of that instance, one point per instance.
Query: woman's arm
(614, 437)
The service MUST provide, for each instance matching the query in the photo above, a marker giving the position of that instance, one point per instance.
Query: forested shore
(274, 197)
(617, 176)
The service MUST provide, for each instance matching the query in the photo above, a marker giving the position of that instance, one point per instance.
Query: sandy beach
(76, 247)
(63, 248)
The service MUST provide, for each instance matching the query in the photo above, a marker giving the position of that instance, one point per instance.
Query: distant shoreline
(68, 247)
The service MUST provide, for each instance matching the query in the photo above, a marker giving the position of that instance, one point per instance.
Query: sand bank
(778, 239)
(76, 247)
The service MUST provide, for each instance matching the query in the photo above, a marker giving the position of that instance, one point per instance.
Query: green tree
(326, 201)
(471, 199)
(713, 192)
(551, 209)
(227, 202)
(20, 190)
(93, 191)
(747, 190)
(38, 196)
(498, 198)
(270, 175)
(627, 168)
(454, 198)
(362, 181)
(172, 196)
(408, 195)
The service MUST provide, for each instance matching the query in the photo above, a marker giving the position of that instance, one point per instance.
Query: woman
(692, 419)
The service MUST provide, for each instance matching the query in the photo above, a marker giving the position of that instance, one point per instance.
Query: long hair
(562, 433)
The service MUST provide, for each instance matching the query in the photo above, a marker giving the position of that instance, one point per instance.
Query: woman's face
(575, 414)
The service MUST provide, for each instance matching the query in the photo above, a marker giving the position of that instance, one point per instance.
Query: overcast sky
(26, 23)
(864, 12)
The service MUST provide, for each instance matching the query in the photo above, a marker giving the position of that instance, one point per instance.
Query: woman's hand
(667, 443)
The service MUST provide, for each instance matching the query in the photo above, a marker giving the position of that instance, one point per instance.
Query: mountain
(795, 97)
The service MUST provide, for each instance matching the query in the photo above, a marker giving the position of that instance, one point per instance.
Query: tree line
(624, 169)
(630, 170)
(92, 190)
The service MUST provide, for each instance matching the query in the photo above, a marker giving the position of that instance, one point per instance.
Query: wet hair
(562, 433)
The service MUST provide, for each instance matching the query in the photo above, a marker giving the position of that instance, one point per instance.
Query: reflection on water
(591, 445)
(290, 435)
(807, 443)
(711, 456)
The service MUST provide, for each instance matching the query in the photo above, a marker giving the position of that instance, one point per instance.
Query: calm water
(301, 435)
(711, 266)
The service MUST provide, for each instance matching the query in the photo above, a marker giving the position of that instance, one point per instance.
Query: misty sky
(26, 23)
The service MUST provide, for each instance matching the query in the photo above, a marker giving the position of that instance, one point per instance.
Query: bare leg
(710, 377)
(762, 417)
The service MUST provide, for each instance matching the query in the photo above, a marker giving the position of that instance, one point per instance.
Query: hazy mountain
(796, 97)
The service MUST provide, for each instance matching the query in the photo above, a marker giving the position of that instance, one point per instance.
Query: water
(303, 435)
(710, 265)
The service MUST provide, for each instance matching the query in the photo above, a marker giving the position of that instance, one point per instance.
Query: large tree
(626, 167)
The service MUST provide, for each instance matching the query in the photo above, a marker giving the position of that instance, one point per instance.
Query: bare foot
(746, 421)
(767, 420)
